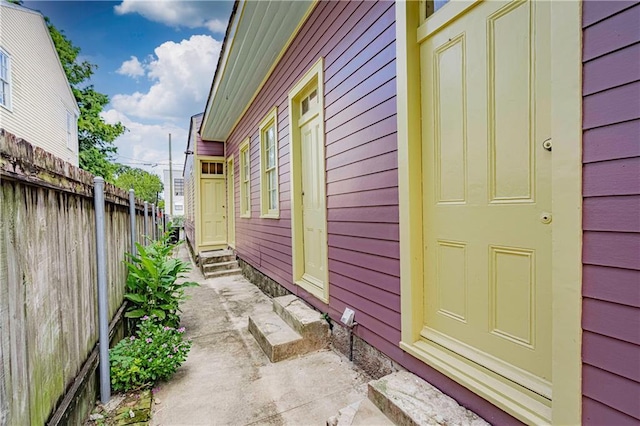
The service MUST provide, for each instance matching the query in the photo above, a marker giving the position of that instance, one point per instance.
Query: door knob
(545, 217)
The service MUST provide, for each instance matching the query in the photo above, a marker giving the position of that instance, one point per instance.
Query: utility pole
(170, 181)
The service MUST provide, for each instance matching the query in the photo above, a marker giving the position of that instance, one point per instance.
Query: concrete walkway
(228, 380)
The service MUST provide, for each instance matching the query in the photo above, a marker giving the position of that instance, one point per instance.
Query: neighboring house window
(269, 165)
(178, 207)
(5, 79)
(245, 180)
(72, 131)
(178, 187)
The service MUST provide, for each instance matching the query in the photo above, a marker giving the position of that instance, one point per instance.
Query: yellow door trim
(566, 36)
(231, 202)
(197, 163)
(314, 74)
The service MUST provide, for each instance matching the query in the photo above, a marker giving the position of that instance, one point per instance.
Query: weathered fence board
(48, 294)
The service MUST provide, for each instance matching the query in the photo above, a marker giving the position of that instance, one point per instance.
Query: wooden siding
(611, 218)
(206, 148)
(357, 40)
(40, 93)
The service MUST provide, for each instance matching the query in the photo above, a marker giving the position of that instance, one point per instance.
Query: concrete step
(221, 266)
(304, 320)
(215, 256)
(406, 399)
(223, 273)
(360, 413)
(276, 339)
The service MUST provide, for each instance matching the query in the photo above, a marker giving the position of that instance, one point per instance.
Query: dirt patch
(131, 408)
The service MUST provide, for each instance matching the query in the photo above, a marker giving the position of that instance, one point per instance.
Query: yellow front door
(313, 203)
(214, 226)
(231, 203)
(487, 189)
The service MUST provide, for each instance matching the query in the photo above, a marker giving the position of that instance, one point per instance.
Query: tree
(95, 136)
(146, 185)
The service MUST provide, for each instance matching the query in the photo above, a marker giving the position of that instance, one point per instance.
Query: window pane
(437, 4)
(273, 200)
(205, 168)
(305, 106)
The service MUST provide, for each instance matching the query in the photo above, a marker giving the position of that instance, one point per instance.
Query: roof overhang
(258, 33)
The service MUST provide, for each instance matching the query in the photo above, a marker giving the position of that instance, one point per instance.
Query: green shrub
(154, 354)
(152, 282)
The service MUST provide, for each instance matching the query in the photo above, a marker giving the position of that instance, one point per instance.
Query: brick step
(406, 399)
(223, 273)
(221, 266)
(360, 413)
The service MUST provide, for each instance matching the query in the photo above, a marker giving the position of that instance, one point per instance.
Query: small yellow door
(487, 189)
(231, 204)
(214, 225)
(313, 193)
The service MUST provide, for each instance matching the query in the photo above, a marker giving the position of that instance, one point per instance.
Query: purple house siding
(214, 149)
(611, 215)
(357, 41)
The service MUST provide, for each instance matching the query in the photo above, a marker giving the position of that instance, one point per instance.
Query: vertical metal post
(132, 214)
(146, 213)
(154, 229)
(101, 259)
(170, 181)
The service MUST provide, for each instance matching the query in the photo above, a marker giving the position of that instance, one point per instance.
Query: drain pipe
(101, 260)
(351, 340)
(132, 218)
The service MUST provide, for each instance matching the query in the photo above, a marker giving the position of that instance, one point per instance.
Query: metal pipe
(132, 214)
(170, 180)
(154, 229)
(101, 260)
(146, 213)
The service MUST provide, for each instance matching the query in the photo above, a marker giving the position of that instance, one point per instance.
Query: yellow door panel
(213, 211)
(313, 203)
(231, 204)
(487, 190)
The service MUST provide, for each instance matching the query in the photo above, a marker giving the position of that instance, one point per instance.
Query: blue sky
(156, 60)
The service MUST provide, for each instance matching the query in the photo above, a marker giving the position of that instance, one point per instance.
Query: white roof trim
(258, 33)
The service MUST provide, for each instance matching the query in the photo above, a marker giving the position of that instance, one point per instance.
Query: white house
(178, 193)
(36, 101)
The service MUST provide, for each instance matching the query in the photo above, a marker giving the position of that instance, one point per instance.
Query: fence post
(132, 214)
(101, 259)
(154, 231)
(146, 213)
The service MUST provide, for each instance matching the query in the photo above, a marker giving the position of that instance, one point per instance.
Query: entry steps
(405, 399)
(218, 263)
(291, 329)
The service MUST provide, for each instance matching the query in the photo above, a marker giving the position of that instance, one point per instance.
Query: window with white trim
(269, 193)
(245, 180)
(5, 79)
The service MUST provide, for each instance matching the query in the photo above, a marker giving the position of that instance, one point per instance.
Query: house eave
(257, 35)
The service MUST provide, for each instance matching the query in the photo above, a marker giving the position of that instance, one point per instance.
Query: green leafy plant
(153, 282)
(155, 353)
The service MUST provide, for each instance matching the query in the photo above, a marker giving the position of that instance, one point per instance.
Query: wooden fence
(48, 293)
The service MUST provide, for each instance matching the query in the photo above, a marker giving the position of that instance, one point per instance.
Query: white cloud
(146, 146)
(132, 68)
(190, 14)
(182, 74)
